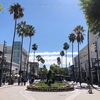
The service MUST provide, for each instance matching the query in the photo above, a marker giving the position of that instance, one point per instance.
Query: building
(16, 56)
(33, 69)
(84, 62)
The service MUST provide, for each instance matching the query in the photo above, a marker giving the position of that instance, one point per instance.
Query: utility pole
(1, 73)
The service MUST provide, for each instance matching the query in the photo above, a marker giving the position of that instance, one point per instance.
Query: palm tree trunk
(12, 51)
(21, 55)
(28, 57)
(66, 58)
(79, 65)
(72, 63)
(72, 53)
(89, 60)
(34, 56)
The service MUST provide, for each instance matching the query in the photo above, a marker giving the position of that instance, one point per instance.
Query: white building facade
(94, 47)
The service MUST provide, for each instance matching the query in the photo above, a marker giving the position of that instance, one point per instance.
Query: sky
(53, 20)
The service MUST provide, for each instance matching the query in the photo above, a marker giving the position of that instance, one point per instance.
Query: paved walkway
(80, 93)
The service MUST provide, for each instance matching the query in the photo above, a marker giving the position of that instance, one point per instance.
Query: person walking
(89, 85)
(19, 80)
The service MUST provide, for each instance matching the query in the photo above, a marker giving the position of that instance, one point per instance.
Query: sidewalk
(15, 84)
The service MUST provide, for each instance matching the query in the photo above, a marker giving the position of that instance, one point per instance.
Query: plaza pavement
(80, 93)
(83, 94)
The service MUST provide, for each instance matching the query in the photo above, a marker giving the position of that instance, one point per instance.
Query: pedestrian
(19, 80)
(89, 83)
(24, 80)
(3, 81)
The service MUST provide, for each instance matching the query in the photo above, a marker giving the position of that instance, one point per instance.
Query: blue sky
(53, 20)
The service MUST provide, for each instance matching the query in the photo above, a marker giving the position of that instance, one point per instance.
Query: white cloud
(51, 57)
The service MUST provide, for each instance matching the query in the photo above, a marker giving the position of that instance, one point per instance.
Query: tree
(1, 7)
(55, 68)
(50, 77)
(42, 60)
(43, 72)
(17, 12)
(58, 70)
(79, 37)
(21, 30)
(34, 47)
(58, 61)
(62, 54)
(30, 32)
(38, 58)
(72, 38)
(92, 14)
(66, 47)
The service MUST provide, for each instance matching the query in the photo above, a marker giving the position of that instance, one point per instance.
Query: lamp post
(1, 73)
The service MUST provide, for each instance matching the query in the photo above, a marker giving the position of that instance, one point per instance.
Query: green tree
(1, 7)
(43, 72)
(62, 54)
(50, 77)
(17, 12)
(92, 14)
(55, 68)
(59, 70)
(79, 37)
(66, 47)
(63, 71)
(34, 47)
(21, 30)
(72, 38)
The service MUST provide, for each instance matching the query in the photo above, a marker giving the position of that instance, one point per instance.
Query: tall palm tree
(72, 38)
(34, 47)
(62, 54)
(66, 47)
(21, 30)
(79, 37)
(30, 32)
(17, 12)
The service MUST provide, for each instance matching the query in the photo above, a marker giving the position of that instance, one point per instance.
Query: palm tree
(79, 37)
(21, 30)
(34, 47)
(38, 58)
(66, 47)
(17, 12)
(58, 61)
(42, 60)
(30, 32)
(72, 38)
(62, 54)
